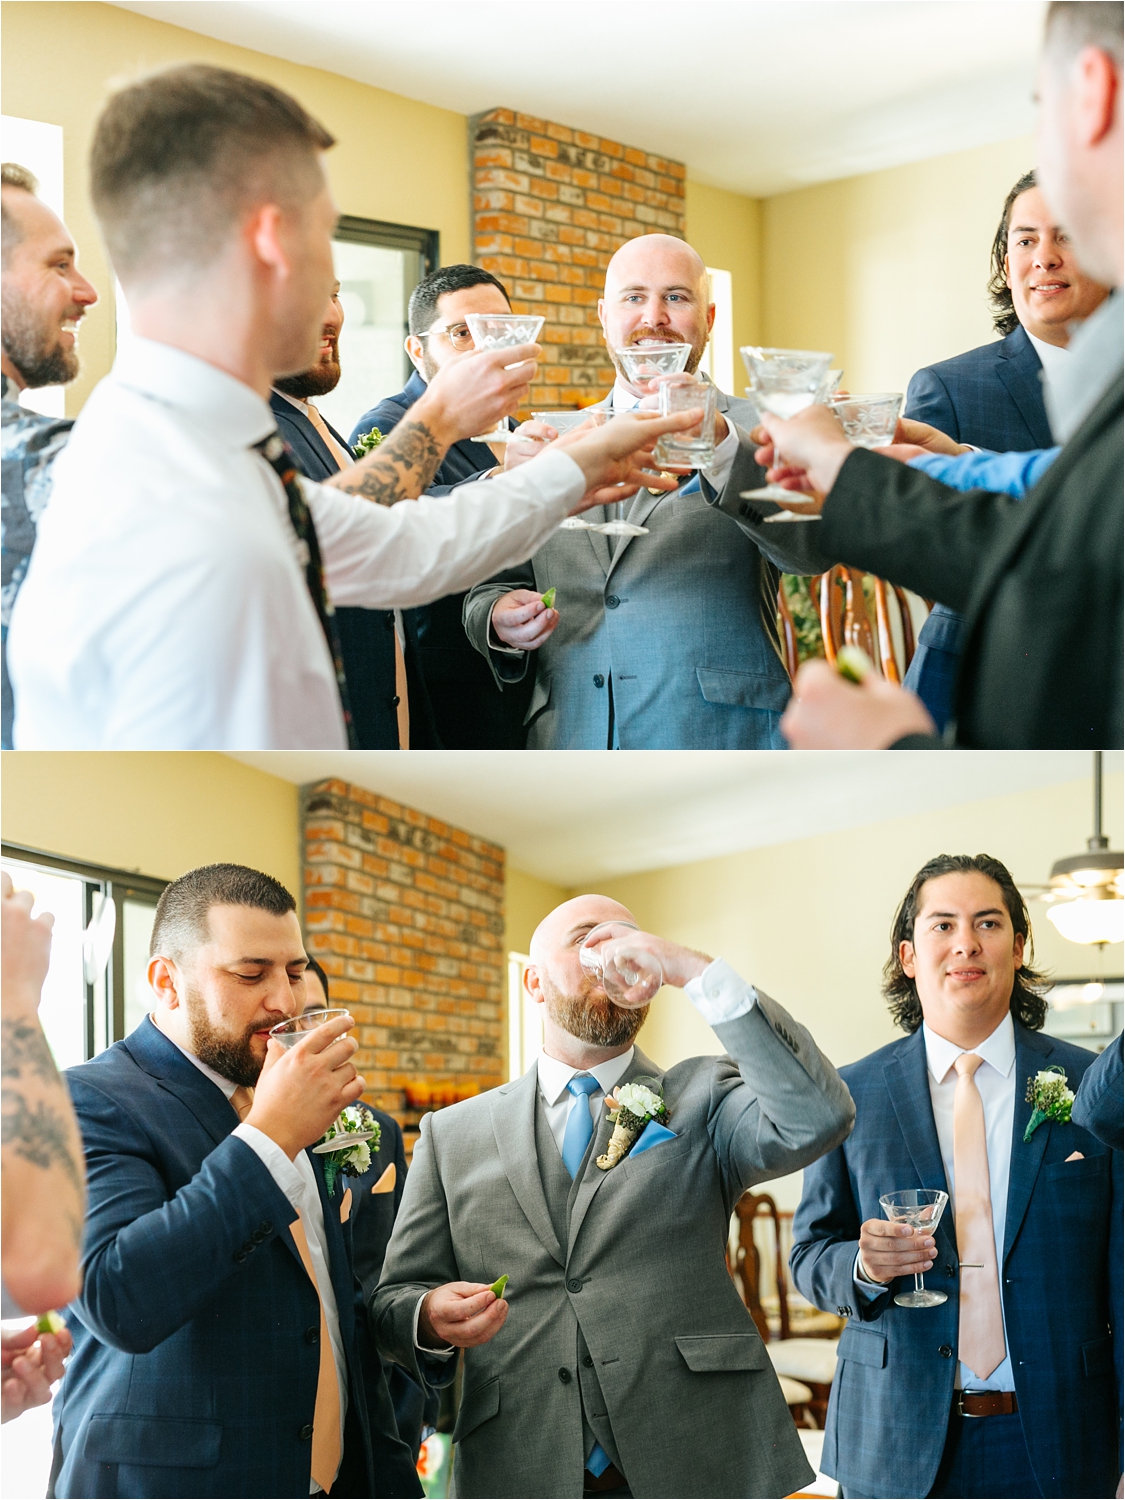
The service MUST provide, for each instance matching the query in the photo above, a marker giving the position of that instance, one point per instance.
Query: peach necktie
(980, 1333)
(343, 461)
(242, 1101)
(326, 1449)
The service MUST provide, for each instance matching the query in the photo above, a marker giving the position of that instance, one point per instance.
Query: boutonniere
(366, 442)
(347, 1144)
(1048, 1092)
(631, 1106)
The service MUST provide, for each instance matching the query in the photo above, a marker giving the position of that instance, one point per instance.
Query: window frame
(425, 243)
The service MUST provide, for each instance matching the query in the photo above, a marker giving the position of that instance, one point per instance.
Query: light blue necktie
(579, 1124)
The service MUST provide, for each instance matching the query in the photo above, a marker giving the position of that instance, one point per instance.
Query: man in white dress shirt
(182, 590)
(620, 1359)
(1008, 1383)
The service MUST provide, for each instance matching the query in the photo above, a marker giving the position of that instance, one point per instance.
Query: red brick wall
(406, 914)
(550, 206)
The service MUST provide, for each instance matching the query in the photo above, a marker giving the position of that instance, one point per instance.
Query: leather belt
(609, 1479)
(985, 1403)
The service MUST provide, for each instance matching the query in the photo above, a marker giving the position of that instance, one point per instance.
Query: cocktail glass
(922, 1209)
(784, 382)
(869, 421)
(641, 363)
(501, 331)
(629, 975)
(695, 448)
(289, 1033)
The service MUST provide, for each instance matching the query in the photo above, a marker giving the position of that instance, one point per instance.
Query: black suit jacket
(464, 707)
(1039, 581)
(366, 635)
(991, 397)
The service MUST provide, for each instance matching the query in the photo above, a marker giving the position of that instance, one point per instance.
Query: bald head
(656, 291)
(569, 923)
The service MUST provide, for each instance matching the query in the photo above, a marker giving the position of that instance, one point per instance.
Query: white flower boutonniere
(347, 1144)
(631, 1106)
(1048, 1092)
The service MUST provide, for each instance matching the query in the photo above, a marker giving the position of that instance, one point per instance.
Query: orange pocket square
(386, 1183)
(346, 1207)
(1076, 1156)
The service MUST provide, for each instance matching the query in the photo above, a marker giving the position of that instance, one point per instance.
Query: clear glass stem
(919, 1283)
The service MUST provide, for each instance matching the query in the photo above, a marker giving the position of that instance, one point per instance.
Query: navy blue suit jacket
(1060, 1280)
(1099, 1105)
(366, 635)
(465, 709)
(196, 1357)
(991, 397)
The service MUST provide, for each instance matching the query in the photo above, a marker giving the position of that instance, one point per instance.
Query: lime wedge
(49, 1322)
(853, 663)
(497, 1287)
(549, 598)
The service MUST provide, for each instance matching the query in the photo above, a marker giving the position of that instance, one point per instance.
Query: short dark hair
(1004, 318)
(179, 156)
(180, 923)
(12, 175)
(424, 297)
(312, 967)
(1074, 24)
(1027, 1004)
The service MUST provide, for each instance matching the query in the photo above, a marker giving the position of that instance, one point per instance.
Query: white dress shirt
(297, 1181)
(1053, 359)
(996, 1083)
(165, 606)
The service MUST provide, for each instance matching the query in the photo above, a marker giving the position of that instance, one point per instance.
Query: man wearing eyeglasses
(456, 705)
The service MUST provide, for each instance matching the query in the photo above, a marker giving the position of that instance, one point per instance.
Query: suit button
(949, 1270)
(599, 680)
(265, 1229)
(588, 1361)
(564, 1376)
(312, 1335)
(946, 1352)
(306, 1432)
(394, 701)
(574, 1285)
(241, 1255)
(612, 602)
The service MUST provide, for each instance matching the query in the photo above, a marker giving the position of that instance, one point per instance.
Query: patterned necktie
(980, 1333)
(579, 1124)
(278, 455)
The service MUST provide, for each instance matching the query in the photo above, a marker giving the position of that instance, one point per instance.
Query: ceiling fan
(1086, 891)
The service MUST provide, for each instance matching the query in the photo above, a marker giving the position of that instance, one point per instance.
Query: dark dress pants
(985, 1458)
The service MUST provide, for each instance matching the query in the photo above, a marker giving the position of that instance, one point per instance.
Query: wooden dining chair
(845, 619)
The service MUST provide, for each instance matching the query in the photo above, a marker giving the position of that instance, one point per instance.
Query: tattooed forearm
(40, 1135)
(399, 469)
(25, 1052)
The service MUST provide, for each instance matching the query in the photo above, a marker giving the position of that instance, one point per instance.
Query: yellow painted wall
(153, 814)
(527, 900)
(726, 230)
(888, 270)
(395, 160)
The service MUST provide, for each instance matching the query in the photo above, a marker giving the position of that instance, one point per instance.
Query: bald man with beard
(619, 1360)
(666, 640)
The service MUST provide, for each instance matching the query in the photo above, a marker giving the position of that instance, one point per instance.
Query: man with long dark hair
(1008, 1386)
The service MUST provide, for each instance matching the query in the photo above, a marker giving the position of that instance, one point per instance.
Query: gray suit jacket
(678, 626)
(623, 1319)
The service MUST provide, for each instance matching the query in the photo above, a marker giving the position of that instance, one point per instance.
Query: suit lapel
(1019, 369)
(513, 1125)
(600, 545)
(909, 1089)
(593, 1179)
(1032, 1054)
(162, 1059)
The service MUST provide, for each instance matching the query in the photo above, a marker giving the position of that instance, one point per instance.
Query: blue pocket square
(652, 1135)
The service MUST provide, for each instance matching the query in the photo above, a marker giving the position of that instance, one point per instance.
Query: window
(525, 1019)
(378, 265)
(96, 991)
(718, 357)
(39, 148)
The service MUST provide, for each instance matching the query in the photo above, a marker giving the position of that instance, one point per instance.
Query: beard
(229, 1054)
(645, 335)
(591, 1016)
(322, 378)
(32, 343)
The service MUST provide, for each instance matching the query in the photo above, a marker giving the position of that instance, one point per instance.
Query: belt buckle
(971, 1416)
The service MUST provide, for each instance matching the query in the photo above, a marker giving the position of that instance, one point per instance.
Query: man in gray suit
(620, 1359)
(664, 641)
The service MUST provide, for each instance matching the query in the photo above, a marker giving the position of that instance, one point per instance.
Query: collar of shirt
(1051, 357)
(231, 412)
(554, 1075)
(217, 1079)
(1097, 351)
(302, 406)
(998, 1050)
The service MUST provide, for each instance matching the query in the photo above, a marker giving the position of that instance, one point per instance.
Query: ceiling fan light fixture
(1095, 917)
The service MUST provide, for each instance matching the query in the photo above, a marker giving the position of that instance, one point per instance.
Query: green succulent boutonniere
(366, 441)
(347, 1144)
(1048, 1092)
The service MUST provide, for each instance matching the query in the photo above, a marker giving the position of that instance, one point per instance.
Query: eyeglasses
(459, 335)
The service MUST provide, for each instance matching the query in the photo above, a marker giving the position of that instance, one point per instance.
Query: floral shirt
(31, 443)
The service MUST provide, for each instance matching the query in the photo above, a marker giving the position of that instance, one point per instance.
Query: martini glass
(869, 421)
(641, 363)
(501, 331)
(784, 382)
(921, 1208)
(629, 976)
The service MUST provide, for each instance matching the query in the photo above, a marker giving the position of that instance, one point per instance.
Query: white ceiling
(754, 96)
(575, 818)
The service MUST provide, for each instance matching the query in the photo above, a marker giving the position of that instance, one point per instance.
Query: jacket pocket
(1097, 1358)
(744, 689)
(477, 1406)
(863, 1346)
(707, 1352)
(162, 1442)
(1074, 1171)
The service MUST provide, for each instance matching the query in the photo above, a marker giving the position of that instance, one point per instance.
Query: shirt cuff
(496, 644)
(863, 1283)
(280, 1168)
(719, 994)
(424, 1348)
